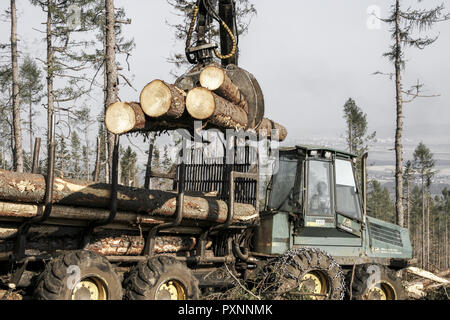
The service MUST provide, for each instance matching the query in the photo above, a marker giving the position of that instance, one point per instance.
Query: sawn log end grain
(155, 98)
(122, 117)
(160, 99)
(212, 78)
(200, 103)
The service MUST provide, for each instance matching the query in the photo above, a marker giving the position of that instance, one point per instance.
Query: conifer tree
(83, 123)
(167, 160)
(62, 157)
(128, 166)
(357, 137)
(379, 203)
(31, 88)
(424, 164)
(75, 168)
(6, 132)
(408, 176)
(406, 25)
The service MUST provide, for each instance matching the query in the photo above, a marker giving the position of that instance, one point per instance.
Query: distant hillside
(436, 189)
(439, 162)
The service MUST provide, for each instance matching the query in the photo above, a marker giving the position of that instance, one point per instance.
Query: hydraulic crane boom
(203, 16)
(227, 12)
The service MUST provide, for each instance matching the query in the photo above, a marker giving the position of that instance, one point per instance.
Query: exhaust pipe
(364, 183)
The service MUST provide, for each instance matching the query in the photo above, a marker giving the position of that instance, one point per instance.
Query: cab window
(319, 189)
(283, 184)
(347, 200)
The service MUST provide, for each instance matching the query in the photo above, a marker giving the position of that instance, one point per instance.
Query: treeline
(65, 84)
(426, 216)
(435, 248)
(412, 207)
(86, 63)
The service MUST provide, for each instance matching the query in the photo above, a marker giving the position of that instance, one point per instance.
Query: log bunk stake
(149, 249)
(113, 201)
(19, 250)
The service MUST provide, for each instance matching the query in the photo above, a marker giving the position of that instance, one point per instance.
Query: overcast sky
(309, 58)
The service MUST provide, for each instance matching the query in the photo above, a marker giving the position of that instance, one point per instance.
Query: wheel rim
(171, 290)
(382, 291)
(90, 289)
(315, 283)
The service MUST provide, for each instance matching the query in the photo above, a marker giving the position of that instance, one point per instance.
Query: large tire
(161, 278)
(79, 275)
(376, 282)
(305, 274)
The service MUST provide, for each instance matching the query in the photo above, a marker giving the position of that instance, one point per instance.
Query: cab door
(319, 205)
(348, 207)
(329, 212)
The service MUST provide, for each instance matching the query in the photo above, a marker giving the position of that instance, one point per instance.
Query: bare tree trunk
(97, 160)
(3, 158)
(148, 170)
(87, 164)
(417, 234)
(423, 224)
(111, 74)
(398, 134)
(17, 131)
(350, 137)
(428, 232)
(408, 203)
(50, 68)
(30, 126)
(446, 241)
(107, 171)
(438, 235)
(119, 168)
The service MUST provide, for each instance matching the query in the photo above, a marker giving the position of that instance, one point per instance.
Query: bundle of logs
(217, 102)
(213, 99)
(425, 282)
(77, 203)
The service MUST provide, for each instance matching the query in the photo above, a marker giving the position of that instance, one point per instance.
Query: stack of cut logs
(218, 102)
(78, 202)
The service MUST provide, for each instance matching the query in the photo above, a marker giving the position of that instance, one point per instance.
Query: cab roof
(319, 149)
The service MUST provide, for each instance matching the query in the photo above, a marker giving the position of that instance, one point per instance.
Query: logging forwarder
(215, 230)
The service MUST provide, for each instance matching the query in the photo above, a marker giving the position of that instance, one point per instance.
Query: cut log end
(156, 99)
(272, 130)
(200, 103)
(120, 118)
(212, 78)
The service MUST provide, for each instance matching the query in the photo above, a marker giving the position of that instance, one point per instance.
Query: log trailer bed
(124, 225)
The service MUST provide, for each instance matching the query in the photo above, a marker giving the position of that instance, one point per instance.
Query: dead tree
(403, 25)
(17, 131)
(111, 72)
